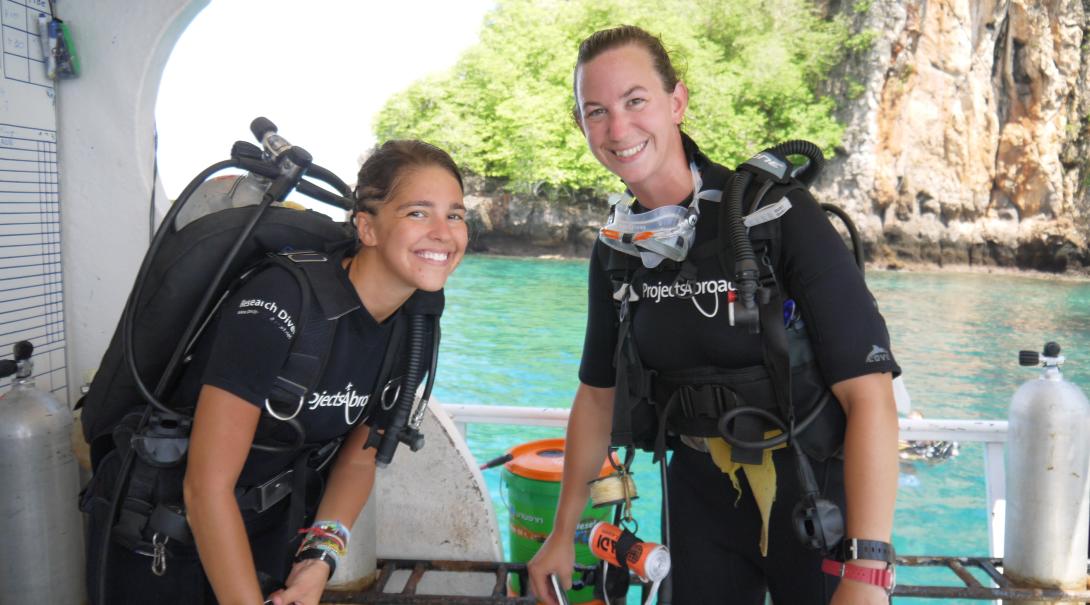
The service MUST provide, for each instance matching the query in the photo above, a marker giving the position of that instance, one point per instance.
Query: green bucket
(531, 481)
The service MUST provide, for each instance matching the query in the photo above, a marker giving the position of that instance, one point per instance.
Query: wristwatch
(320, 554)
(871, 550)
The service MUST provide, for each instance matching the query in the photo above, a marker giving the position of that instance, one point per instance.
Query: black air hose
(745, 261)
(128, 316)
(808, 172)
(853, 233)
(786, 432)
(436, 337)
(743, 248)
(395, 431)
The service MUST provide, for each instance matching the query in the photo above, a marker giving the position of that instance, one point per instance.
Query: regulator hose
(776, 170)
(397, 431)
(808, 172)
(853, 233)
(128, 316)
(786, 432)
(418, 415)
(745, 261)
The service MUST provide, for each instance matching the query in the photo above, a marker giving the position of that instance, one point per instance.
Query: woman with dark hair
(409, 218)
(664, 342)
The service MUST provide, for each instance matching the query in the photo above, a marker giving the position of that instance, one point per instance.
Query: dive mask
(664, 232)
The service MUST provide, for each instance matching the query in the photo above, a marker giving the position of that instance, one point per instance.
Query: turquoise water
(513, 332)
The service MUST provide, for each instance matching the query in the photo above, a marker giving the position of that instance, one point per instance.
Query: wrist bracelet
(326, 535)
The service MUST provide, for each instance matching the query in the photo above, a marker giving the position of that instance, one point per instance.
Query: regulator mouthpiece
(1049, 358)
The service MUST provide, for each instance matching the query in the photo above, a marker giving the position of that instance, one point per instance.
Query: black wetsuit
(243, 356)
(715, 531)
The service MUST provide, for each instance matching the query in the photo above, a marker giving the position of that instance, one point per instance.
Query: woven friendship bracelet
(330, 537)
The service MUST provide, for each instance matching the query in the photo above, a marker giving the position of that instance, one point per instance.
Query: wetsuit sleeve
(847, 331)
(596, 367)
(253, 335)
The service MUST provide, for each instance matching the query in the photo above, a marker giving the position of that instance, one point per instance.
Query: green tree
(504, 109)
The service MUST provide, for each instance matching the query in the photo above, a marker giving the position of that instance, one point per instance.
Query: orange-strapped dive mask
(664, 232)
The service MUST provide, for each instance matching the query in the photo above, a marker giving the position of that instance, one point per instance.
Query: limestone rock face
(528, 224)
(969, 143)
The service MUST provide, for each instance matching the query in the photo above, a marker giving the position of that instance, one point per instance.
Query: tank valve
(20, 365)
(1049, 358)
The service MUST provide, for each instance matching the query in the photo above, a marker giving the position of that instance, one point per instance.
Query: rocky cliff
(529, 224)
(969, 142)
(966, 143)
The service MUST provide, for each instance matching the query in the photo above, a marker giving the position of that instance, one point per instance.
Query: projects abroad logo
(691, 290)
(347, 398)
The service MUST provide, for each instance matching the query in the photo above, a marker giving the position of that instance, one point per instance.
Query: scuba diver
(692, 316)
(251, 536)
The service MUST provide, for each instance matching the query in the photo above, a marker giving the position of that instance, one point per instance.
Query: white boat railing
(992, 433)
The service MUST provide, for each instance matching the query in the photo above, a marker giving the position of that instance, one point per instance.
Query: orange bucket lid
(543, 460)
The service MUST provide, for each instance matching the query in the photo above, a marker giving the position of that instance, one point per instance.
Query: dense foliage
(504, 109)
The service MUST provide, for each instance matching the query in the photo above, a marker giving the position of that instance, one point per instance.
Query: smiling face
(631, 122)
(417, 236)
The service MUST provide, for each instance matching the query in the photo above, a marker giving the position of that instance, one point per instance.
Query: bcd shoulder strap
(318, 279)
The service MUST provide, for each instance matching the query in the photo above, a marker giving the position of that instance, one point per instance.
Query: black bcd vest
(651, 409)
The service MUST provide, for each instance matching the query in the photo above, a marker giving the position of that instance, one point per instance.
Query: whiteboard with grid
(31, 284)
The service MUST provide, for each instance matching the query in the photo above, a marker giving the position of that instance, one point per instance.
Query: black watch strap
(321, 555)
(871, 550)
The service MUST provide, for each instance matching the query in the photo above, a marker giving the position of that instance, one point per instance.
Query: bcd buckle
(274, 490)
(305, 256)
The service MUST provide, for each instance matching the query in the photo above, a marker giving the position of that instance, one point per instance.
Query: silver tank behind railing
(1048, 479)
(42, 556)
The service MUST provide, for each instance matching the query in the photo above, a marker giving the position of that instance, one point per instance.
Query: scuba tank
(220, 193)
(1048, 478)
(41, 526)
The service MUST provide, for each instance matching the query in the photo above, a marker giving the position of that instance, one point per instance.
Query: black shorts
(716, 532)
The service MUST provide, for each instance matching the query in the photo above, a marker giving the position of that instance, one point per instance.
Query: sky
(320, 73)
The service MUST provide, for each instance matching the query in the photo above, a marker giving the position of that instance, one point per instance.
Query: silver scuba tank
(220, 193)
(1048, 479)
(42, 556)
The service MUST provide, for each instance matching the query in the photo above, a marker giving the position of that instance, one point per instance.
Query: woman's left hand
(850, 592)
(304, 585)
